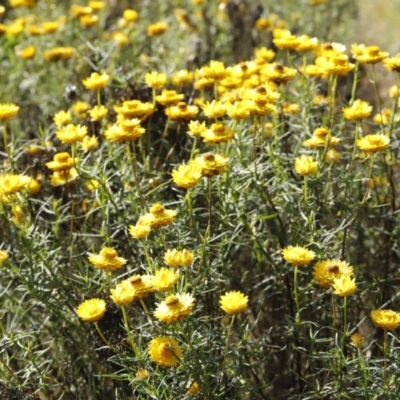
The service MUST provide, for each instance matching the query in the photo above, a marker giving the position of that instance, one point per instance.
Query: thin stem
(371, 166)
(103, 337)
(355, 81)
(353, 155)
(128, 330)
(344, 323)
(296, 295)
(385, 348)
(227, 345)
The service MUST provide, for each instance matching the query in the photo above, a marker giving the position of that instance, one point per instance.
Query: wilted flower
(357, 340)
(142, 374)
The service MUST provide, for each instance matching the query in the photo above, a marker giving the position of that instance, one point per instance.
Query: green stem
(227, 346)
(296, 295)
(353, 155)
(371, 165)
(128, 330)
(103, 337)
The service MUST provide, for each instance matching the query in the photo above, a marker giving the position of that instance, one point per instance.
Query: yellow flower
(174, 308)
(368, 54)
(175, 258)
(218, 133)
(3, 256)
(62, 118)
(263, 55)
(233, 302)
(158, 216)
(298, 256)
(211, 164)
(88, 20)
(165, 351)
(359, 110)
(239, 110)
(314, 142)
(13, 183)
(155, 79)
(126, 129)
(321, 132)
(182, 78)
(123, 293)
(89, 143)
(135, 109)
(386, 319)
(169, 97)
(164, 279)
(344, 285)
(187, 175)
(91, 310)
(143, 285)
(34, 186)
(80, 108)
(336, 64)
(61, 161)
(305, 165)
(8, 111)
(97, 113)
(325, 272)
(357, 340)
(140, 230)
(373, 143)
(107, 260)
(130, 15)
(215, 70)
(60, 178)
(182, 111)
(215, 109)
(120, 38)
(392, 64)
(71, 133)
(27, 52)
(196, 128)
(306, 43)
(194, 388)
(142, 374)
(286, 42)
(58, 53)
(50, 26)
(96, 81)
(332, 156)
(156, 29)
(277, 73)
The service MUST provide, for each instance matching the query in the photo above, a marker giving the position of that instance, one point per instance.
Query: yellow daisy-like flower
(358, 111)
(277, 73)
(62, 118)
(27, 52)
(305, 165)
(135, 109)
(142, 374)
(64, 177)
(386, 319)
(130, 15)
(233, 302)
(218, 133)
(194, 389)
(392, 64)
(13, 183)
(335, 64)
(169, 97)
(71, 133)
(332, 156)
(165, 351)
(158, 216)
(3, 256)
(91, 310)
(215, 70)
(175, 258)
(187, 175)
(107, 260)
(373, 143)
(8, 111)
(61, 161)
(182, 78)
(80, 108)
(182, 111)
(156, 29)
(96, 81)
(140, 230)
(143, 285)
(298, 256)
(97, 113)
(155, 79)
(164, 279)
(89, 143)
(314, 142)
(196, 128)
(125, 130)
(174, 308)
(123, 293)
(368, 54)
(58, 53)
(211, 164)
(325, 272)
(357, 340)
(345, 285)
(215, 109)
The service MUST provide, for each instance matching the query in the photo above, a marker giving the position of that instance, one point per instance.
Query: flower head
(97, 113)
(298, 256)
(392, 64)
(142, 374)
(187, 175)
(91, 310)
(211, 164)
(218, 133)
(343, 286)
(61, 162)
(107, 260)
(357, 340)
(373, 143)
(368, 54)
(158, 216)
(3, 256)
(359, 110)
(196, 128)
(305, 165)
(175, 258)
(71, 133)
(194, 388)
(13, 183)
(155, 80)
(8, 111)
(174, 308)
(64, 177)
(96, 81)
(164, 279)
(139, 231)
(123, 293)
(143, 285)
(62, 118)
(233, 302)
(386, 319)
(325, 272)
(165, 351)
(126, 129)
